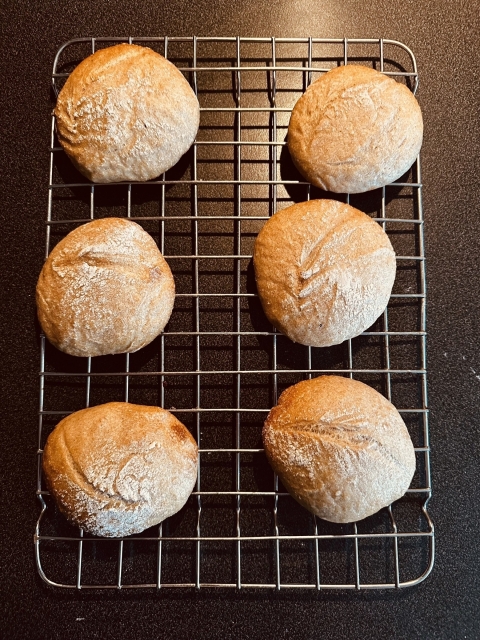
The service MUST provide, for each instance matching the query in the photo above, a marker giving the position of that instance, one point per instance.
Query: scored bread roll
(126, 113)
(355, 129)
(340, 448)
(104, 289)
(324, 271)
(119, 468)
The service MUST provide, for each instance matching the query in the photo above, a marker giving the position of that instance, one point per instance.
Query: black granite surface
(444, 37)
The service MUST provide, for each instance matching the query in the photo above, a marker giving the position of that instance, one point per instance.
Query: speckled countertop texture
(444, 38)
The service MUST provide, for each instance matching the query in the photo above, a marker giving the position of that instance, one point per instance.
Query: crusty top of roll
(104, 289)
(324, 271)
(340, 448)
(126, 113)
(119, 468)
(355, 129)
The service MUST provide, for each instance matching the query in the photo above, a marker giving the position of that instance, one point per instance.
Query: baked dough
(104, 289)
(324, 271)
(119, 468)
(126, 113)
(355, 129)
(340, 448)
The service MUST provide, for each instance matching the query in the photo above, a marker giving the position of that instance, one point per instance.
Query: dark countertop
(444, 38)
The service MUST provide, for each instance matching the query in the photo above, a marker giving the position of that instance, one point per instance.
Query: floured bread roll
(119, 468)
(324, 271)
(104, 289)
(355, 129)
(126, 113)
(339, 447)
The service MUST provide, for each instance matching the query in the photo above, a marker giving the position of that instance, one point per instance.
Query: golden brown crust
(119, 468)
(126, 113)
(105, 289)
(354, 130)
(339, 447)
(324, 271)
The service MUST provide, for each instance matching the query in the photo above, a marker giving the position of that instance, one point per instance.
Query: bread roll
(126, 113)
(354, 130)
(119, 468)
(324, 271)
(105, 289)
(339, 447)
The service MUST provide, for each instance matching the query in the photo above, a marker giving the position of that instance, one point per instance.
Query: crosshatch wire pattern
(220, 366)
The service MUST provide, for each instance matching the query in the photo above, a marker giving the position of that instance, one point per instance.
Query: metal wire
(304, 59)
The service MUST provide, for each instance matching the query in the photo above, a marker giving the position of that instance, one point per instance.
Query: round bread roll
(126, 113)
(339, 447)
(119, 468)
(324, 271)
(104, 289)
(355, 129)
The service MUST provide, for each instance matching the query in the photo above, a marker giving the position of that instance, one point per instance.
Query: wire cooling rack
(220, 366)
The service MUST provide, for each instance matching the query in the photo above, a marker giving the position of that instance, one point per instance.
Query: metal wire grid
(320, 544)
